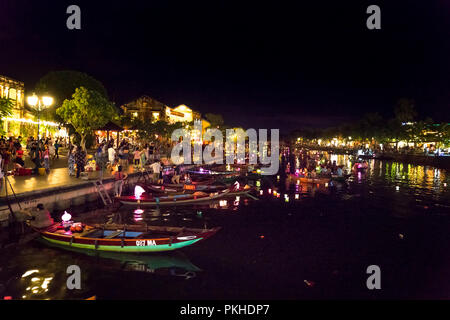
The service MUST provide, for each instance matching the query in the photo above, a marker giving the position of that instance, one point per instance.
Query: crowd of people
(40, 152)
(311, 166)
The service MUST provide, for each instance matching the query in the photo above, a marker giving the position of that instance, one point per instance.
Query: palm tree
(6, 106)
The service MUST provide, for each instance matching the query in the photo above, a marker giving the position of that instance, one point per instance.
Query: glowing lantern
(66, 216)
(270, 191)
(261, 192)
(297, 196)
(138, 191)
(138, 211)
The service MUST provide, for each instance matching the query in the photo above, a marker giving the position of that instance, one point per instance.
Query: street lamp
(40, 102)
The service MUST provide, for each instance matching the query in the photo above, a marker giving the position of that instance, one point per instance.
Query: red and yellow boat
(171, 199)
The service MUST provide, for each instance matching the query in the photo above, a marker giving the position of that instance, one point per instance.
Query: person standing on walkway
(51, 149)
(19, 156)
(80, 160)
(156, 167)
(119, 178)
(71, 160)
(57, 146)
(176, 175)
(111, 154)
(46, 156)
(143, 159)
(137, 157)
(101, 158)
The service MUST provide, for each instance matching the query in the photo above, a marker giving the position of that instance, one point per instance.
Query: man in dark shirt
(80, 160)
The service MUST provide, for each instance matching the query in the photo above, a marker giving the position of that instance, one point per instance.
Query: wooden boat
(340, 178)
(171, 199)
(211, 172)
(126, 238)
(186, 188)
(319, 180)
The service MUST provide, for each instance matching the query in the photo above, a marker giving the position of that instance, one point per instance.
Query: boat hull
(136, 245)
(171, 200)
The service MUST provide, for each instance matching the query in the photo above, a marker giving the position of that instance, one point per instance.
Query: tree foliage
(87, 111)
(373, 128)
(216, 120)
(61, 85)
(6, 107)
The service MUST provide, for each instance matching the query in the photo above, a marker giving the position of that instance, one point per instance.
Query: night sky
(262, 64)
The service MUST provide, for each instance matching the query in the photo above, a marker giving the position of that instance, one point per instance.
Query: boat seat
(114, 234)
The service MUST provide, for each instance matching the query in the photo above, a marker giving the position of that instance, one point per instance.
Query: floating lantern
(326, 184)
(258, 183)
(238, 198)
(445, 184)
(138, 191)
(297, 196)
(261, 192)
(258, 171)
(278, 177)
(138, 211)
(397, 188)
(269, 191)
(286, 199)
(222, 203)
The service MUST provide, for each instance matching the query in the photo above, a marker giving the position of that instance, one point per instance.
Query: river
(310, 242)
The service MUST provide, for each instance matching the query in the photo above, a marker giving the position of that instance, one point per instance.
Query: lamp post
(44, 101)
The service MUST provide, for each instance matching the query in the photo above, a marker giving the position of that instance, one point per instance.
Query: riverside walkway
(58, 177)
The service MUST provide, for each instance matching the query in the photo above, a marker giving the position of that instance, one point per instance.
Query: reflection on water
(394, 215)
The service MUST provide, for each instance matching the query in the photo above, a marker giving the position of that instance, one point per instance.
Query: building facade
(14, 90)
(21, 122)
(146, 108)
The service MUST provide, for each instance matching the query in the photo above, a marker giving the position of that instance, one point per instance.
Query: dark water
(396, 216)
